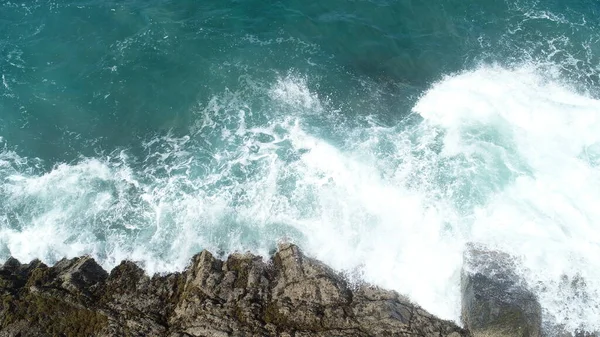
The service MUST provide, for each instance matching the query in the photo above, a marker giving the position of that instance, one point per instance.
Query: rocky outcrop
(494, 301)
(290, 295)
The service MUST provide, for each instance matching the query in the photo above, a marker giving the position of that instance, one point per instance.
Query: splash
(502, 157)
(533, 143)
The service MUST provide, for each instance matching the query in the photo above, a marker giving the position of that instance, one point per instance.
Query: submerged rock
(559, 331)
(494, 302)
(290, 295)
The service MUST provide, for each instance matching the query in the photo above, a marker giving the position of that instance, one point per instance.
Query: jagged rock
(14, 275)
(81, 274)
(494, 301)
(290, 295)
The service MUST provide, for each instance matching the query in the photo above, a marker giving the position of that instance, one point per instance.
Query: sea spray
(380, 136)
(499, 157)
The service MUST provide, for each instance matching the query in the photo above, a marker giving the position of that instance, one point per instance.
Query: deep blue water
(87, 76)
(150, 130)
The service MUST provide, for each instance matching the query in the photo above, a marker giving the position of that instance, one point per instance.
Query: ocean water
(381, 136)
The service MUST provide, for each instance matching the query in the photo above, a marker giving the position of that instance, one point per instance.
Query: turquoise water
(381, 136)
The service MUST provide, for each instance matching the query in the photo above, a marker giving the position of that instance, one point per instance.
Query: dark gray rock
(79, 275)
(290, 295)
(494, 301)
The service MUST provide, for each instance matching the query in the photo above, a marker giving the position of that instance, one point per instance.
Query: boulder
(495, 302)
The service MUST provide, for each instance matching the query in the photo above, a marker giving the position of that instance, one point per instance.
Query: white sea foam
(502, 157)
(546, 215)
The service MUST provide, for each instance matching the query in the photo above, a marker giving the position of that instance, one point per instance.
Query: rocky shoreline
(290, 295)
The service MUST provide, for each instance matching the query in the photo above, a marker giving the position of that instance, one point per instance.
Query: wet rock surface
(494, 301)
(290, 295)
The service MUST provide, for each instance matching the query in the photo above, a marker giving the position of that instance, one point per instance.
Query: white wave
(502, 157)
(547, 214)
